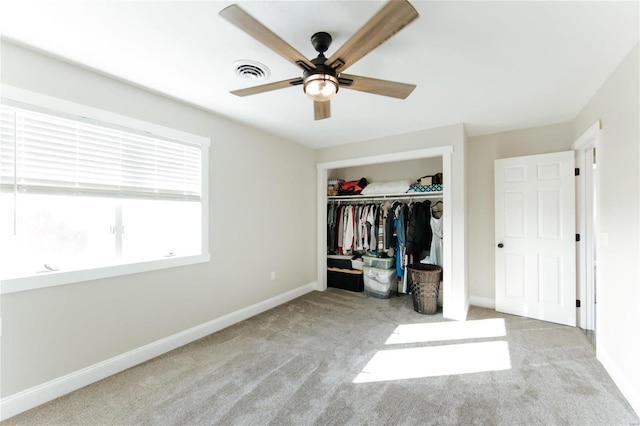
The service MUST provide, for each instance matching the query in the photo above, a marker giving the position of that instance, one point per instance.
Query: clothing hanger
(437, 213)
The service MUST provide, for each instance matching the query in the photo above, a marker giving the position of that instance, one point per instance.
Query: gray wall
(483, 151)
(50, 332)
(617, 105)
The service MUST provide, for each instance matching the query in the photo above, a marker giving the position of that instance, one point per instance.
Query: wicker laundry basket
(425, 281)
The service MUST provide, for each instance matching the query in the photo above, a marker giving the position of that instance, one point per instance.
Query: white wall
(255, 178)
(482, 153)
(616, 104)
(454, 135)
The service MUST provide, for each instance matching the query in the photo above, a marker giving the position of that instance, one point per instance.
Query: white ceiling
(494, 66)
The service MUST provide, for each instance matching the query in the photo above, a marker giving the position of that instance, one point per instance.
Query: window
(77, 194)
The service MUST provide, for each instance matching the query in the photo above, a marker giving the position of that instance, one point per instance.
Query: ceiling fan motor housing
(321, 41)
(321, 68)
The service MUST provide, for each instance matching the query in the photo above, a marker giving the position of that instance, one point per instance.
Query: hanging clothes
(406, 230)
(435, 254)
(419, 233)
(340, 228)
(369, 224)
(363, 226)
(330, 233)
(389, 229)
(401, 223)
(381, 218)
(349, 226)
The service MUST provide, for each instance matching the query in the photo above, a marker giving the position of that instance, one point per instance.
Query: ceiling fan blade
(321, 110)
(394, 16)
(267, 87)
(264, 35)
(376, 86)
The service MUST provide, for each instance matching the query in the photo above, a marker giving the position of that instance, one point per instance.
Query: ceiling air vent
(251, 70)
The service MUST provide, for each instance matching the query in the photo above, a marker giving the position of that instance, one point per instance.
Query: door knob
(500, 245)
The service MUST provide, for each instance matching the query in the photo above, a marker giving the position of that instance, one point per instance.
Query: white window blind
(50, 154)
(7, 137)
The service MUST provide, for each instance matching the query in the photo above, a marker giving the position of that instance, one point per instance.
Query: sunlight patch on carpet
(432, 361)
(442, 331)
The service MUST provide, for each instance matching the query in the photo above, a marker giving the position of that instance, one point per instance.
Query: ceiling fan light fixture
(321, 87)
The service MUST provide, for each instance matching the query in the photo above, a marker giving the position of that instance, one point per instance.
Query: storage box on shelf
(425, 188)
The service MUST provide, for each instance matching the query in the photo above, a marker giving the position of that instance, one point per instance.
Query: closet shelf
(405, 195)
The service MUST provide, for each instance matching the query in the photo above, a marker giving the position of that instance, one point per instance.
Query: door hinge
(577, 303)
(577, 171)
(577, 237)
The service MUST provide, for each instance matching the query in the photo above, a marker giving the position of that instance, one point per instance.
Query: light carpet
(340, 358)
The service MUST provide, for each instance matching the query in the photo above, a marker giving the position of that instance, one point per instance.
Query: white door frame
(587, 220)
(447, 217)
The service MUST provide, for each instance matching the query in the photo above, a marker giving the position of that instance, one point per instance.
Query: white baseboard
(629, 391)
(45, 392)
(483, 302)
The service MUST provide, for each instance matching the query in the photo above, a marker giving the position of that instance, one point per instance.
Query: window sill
(52, 279)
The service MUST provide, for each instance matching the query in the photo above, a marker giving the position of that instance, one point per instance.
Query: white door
(535, 237)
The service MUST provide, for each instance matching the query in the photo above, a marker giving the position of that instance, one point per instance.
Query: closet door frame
(448, 286)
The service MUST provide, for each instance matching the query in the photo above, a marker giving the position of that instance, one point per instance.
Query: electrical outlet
(273, 275)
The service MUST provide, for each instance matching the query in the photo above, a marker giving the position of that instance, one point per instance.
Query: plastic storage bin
(380, 283)
(379, 262)
(357, 264)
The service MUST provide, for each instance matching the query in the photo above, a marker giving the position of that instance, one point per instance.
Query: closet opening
(388, 168)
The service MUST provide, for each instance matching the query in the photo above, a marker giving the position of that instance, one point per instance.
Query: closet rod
(365, 198)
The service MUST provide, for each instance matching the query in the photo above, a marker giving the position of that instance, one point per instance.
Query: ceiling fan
(322, 77)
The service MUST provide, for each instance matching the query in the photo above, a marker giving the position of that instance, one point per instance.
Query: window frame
(67, 109)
